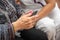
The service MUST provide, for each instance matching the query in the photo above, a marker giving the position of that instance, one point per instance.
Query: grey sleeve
(6, 28)
(4, 32)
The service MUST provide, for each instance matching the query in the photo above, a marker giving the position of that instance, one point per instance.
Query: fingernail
(30, 12)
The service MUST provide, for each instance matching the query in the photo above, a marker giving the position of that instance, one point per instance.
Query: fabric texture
(6, 28)
(7, 16)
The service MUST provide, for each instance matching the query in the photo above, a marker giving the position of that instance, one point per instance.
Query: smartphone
(34, 13)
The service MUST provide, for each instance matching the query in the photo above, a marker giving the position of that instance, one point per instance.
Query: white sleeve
(47, 25)
(55, 14)
(45, 22)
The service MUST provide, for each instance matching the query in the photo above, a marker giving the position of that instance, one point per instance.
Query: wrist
(18, 25)
(15, 26)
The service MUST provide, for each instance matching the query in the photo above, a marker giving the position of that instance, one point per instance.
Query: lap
(34, 34)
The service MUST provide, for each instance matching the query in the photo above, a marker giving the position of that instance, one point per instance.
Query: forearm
(46, 9)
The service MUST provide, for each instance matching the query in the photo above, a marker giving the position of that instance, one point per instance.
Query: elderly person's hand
(26, 21)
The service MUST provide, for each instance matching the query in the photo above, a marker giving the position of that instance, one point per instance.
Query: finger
(25, 13)
(31, 25)
(29, 13)
(30, 22)
(34, 18)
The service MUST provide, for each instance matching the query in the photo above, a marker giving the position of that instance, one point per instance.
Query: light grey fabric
(30, 5)
(58, 32)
